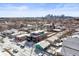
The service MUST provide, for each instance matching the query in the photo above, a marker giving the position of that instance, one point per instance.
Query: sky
(38, 9)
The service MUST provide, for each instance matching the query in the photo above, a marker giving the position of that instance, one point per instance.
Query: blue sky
(38, 9)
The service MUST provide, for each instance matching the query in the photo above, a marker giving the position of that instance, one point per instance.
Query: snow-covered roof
(18, 33)
(43, 44)
(77, 29)
(57, 30)
(37, 31)
(29, 25)
(75, 36)
(22, 35)
(72, 43)
(47, 24)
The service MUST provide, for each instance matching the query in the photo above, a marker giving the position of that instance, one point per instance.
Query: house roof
(72, 43)
(43, 44)
(37, 31)
(22, 35)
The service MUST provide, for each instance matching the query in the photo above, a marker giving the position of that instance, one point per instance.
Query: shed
(42, 45)
(21, 37)
(57, 30)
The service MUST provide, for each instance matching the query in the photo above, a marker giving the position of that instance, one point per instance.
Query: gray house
(70, 47)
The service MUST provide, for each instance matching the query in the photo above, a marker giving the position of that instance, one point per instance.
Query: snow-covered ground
(28, 50)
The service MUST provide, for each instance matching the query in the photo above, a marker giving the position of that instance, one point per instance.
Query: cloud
(18, 10)
(67, 9)
(13, 7)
